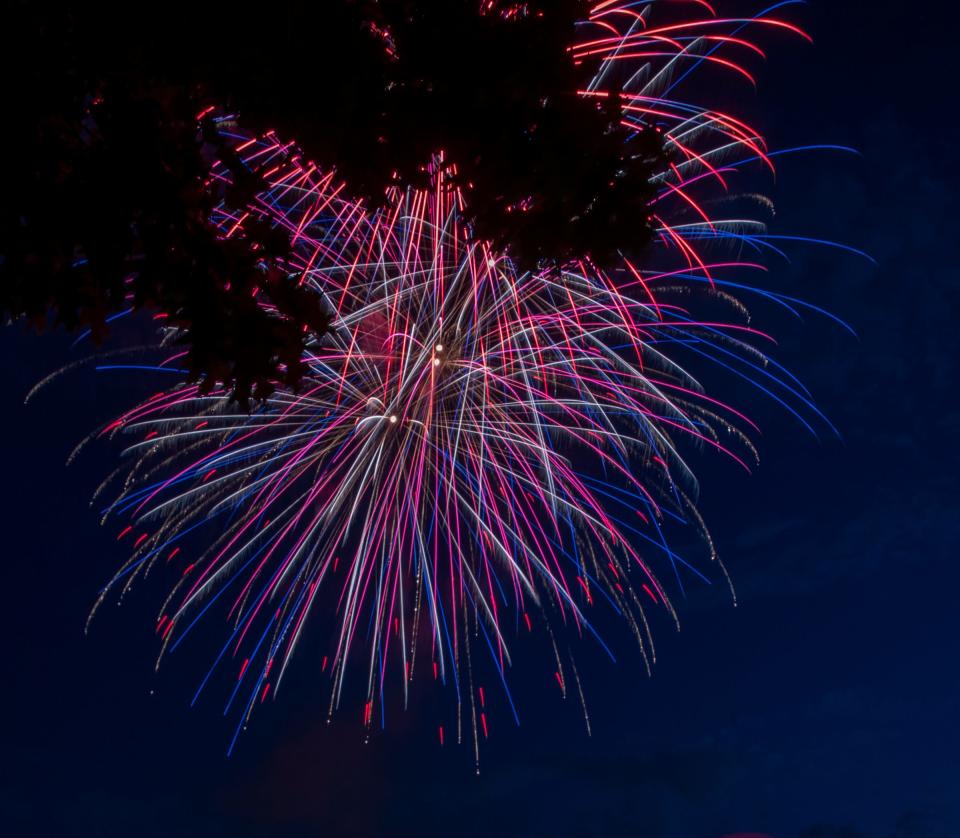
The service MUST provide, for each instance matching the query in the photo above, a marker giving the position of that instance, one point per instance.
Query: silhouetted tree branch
(105, 205)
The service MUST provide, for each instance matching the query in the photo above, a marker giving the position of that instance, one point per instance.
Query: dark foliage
(104, 201)
(549, 174)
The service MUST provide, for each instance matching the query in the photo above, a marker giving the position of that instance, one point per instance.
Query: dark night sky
(828, 697)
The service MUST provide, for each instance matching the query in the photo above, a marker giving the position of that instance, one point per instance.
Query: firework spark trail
(473, 445)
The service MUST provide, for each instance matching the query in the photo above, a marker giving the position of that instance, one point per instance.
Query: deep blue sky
(829, 696)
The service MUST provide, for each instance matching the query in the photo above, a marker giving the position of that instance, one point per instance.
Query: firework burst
(476, 449)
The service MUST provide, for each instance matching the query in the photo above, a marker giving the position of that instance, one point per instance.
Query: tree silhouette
(105, 205)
